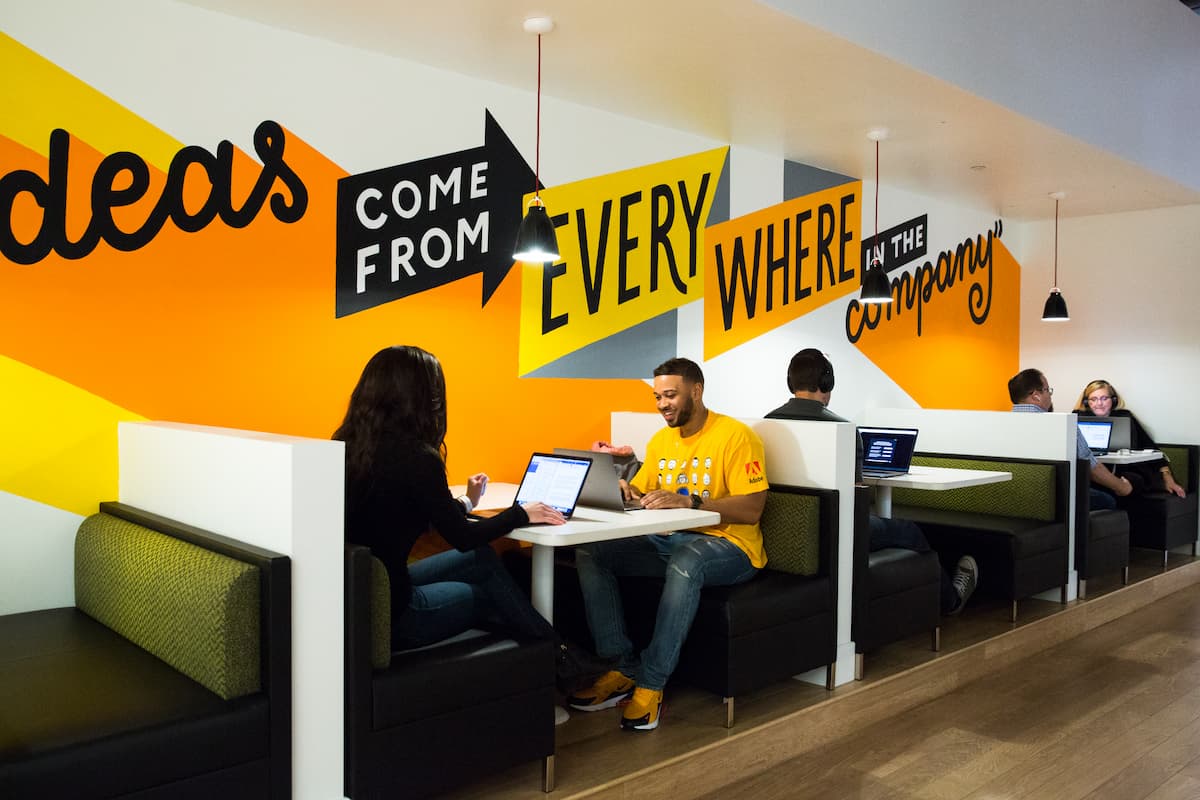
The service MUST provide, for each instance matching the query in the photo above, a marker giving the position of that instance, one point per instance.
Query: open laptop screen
(1097, 433)
(887, 449)
(554, 480)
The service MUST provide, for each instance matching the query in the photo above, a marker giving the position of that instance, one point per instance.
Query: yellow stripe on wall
(49, 97)
(60, 442)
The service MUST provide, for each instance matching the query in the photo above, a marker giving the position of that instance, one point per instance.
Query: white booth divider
(283, 493)
(807, 453)
(37, 555)
(995, 434)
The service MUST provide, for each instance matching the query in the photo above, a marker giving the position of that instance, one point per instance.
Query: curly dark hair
(401, 395)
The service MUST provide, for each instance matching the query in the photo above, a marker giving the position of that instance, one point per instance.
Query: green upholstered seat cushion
(1029, 495)
(791, 529)
(195, 609)
(381, 615)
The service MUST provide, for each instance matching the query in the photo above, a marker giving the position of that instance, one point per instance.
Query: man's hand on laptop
(662, 498)
(627, 491)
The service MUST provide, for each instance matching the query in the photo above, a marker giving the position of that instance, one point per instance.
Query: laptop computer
(555, 480)
(1097, 433)
(602, 489)
(1122, 437)
(886, 452)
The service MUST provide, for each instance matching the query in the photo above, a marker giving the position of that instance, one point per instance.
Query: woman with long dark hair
(396, 489)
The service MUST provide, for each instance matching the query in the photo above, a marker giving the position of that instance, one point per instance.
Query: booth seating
(897, 592)
(1101, 537)
(781, 623)
(169, 678)
(420, 722)
(1162, 521)
(1016, 530)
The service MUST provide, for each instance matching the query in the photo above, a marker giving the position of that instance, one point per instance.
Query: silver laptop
(555, 480)
(1122, 438)
(887, 452)
(1097, 433)
(602, 489)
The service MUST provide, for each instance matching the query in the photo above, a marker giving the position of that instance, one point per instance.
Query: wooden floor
(1095, 699)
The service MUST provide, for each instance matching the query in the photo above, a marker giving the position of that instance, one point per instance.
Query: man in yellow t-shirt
(702, 459)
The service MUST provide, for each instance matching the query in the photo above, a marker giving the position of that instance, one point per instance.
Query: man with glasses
(1030, 392)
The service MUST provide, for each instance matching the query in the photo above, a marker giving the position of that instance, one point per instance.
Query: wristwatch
(696, 501)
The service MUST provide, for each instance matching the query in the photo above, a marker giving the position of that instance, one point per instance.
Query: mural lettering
(631, 249)
(915, 289)
(405, 229)
(781, 258)
(658, 217)
(899, 245)
(123, 179)
(772, 266)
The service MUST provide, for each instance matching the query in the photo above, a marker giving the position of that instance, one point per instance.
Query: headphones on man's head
(825, 382)
(825, 379)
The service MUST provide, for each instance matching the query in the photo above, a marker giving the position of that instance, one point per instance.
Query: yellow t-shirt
(723, 458)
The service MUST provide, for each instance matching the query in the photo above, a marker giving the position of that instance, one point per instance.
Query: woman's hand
(1173, 487)
(544, 514)
(476, 486)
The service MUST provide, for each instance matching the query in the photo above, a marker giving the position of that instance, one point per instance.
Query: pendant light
(1055, 309)
(536, 241)
(876, 288)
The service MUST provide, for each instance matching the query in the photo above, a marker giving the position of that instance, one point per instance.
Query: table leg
(542, 581)
(883, 501)
(542, 590)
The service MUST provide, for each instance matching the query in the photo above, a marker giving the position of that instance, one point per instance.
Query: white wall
(1132, 285)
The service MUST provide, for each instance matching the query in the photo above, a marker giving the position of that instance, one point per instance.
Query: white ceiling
(741, 72)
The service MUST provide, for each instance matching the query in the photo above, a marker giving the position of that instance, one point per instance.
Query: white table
(932, 478)
(586, 525)
(597, 525)
(1130, 456)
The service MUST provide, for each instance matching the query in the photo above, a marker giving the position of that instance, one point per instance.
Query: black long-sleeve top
(405, 495)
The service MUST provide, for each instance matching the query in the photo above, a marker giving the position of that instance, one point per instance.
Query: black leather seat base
(462, 673)
(77, 699)
(1017, 557)
(1161, 521)
(903, 597)
(1107, 545)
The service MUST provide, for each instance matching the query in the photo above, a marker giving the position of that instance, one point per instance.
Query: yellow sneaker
(608, 690)
(643, 710)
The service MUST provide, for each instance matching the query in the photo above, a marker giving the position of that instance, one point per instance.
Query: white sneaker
(966, 578)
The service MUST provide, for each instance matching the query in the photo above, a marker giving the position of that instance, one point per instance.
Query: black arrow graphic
(402, 230)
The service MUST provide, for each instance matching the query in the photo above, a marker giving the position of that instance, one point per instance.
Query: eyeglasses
(1047, 390)
(1101, 399)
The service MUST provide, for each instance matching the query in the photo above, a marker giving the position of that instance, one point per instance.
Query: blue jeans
(686, 561)
(1100, 500)
(453, 592)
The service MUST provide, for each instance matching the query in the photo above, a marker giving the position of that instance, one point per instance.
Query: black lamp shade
(876, 288)
(1055, 309)
(536, 242)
